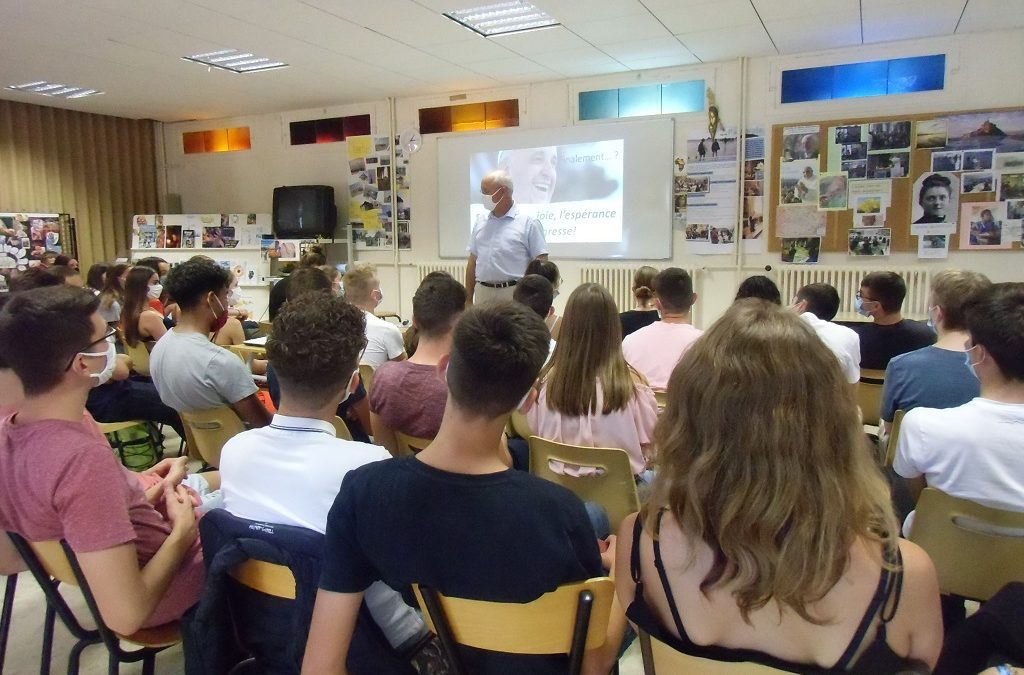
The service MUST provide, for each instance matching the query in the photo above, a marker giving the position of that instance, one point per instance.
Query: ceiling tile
(647, 49)
(815, 33)
(506, 68)
(982, 15)
(728, 43)
(775, 10)
(708, 17)
(541, 41)
(909, 19)
(640, 27)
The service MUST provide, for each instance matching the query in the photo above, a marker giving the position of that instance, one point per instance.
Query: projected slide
(575, 190)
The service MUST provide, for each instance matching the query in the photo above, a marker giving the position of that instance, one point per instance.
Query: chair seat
(112, 427)
(164, 635)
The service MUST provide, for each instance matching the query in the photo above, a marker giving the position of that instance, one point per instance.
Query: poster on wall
(936, 200)
(933, 246)
(801, 250)
(710, 194)
(982, 226)
(752, 221)
(870, 242)
(798, 182)
(370, 184)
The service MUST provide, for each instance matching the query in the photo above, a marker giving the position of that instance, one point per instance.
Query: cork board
(903, 197)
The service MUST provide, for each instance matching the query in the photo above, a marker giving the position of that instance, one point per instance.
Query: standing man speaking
(501, 246)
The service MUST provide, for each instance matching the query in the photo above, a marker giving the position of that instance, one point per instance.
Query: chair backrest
(569, 620)
(659, 657)
(265, 327)
(341, 429)
(410, 445)
(248, 352)
(139, 356)
(894, 436)
(976, 549)
(265, 577)
(519, 424)
(208, 430)
(614, 489)
(869, 395)
(366, 375)
(662, 398)
(54, 560)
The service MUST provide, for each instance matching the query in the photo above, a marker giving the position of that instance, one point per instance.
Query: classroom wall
(243, 181)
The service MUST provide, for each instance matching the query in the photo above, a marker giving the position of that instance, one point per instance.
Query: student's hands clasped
(180, 513)
(173, 471)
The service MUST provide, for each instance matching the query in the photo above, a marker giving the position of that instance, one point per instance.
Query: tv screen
(304, 211)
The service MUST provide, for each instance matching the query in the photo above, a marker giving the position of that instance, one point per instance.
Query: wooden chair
(569, 620)
(265, 327)
(518, 425)
(129, 459)
(366, 375)
(53, 563)
(410, 445)
(248, 352)
(976, 549)
(869, 395)
(662, 398)
(660, 658)
(139, 356)
(614, 489)
(341, 429)
(894, 436)
(208, 430)
(265, 577)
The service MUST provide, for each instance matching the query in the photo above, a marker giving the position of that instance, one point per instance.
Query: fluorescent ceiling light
(502, 18)
(45, 88)
(235, 61)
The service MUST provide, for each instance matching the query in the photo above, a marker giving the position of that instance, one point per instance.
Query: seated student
(409, 396)
(162, 268)
(974, 451)
(313, 257)
(655, 350)
(888, 334)
(140, 323)
(549, 271)
(455, 517)
(818, 304)
(761, 287)
(61, 481)
(937, 376)
(95, 278)
(645, 313)
(383, 338)
(589, 395)
(537, 293)
(113, 289)
(190, 372)
(72, 276)
(354, 410)
(744, 551)
(290, 471)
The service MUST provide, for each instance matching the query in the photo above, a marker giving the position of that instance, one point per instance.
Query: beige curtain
(98, 168)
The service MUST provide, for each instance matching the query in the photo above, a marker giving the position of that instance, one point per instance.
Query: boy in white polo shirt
(383, 338)
(289, 472)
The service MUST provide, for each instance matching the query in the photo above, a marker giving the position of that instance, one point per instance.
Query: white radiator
(847, 280)
(457, 270)
(619, 281)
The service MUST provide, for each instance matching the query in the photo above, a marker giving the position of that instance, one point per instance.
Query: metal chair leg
(75, 656)
(49, 618)
(113, 665)
(149, 665)
(6, 616)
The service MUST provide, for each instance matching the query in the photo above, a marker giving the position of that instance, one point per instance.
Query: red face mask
(218, 320)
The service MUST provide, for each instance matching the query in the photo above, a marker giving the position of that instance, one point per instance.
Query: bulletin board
(977, 138)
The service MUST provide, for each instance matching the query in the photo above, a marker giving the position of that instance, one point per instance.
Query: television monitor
(304, 211)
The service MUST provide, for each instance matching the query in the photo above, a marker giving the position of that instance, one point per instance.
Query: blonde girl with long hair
(589, 395)
(770, 536)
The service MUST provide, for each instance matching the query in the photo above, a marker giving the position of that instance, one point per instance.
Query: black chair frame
(7, 615)
(450, 645)
(56, 606)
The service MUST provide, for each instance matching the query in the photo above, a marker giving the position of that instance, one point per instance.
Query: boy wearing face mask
(383, 339)
(888, 334)
(61, 480)
(189, 370)
(289, 472)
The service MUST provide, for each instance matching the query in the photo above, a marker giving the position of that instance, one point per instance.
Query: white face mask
(104, 375)
(233, 297)
(155, 291)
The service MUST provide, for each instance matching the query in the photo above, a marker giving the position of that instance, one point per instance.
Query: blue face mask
(968, 363)
(859, 305)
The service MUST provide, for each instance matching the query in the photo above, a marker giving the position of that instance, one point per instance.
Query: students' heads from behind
(643, 286)
(760, 287)
(113, 283)
(305, 280)
(673, 291)
(537, 293)
(995, 347)
(437, 305)
(53, 336)
(802, 482)
(821, 300)
(334, 276)
(498, 349)
(95, 278)
(200, 288)
(315, 346)
(589, 351)
(548, 270)
(881, 294)
(362, 287)
(952, 291)
(313, 257)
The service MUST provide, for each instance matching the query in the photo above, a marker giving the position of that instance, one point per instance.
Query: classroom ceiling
(345, 51)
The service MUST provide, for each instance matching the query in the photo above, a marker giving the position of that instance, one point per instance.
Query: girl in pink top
(589, 395)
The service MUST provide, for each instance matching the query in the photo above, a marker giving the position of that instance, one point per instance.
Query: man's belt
(498, 284)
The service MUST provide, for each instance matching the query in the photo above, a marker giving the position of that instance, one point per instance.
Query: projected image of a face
(534, 172)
